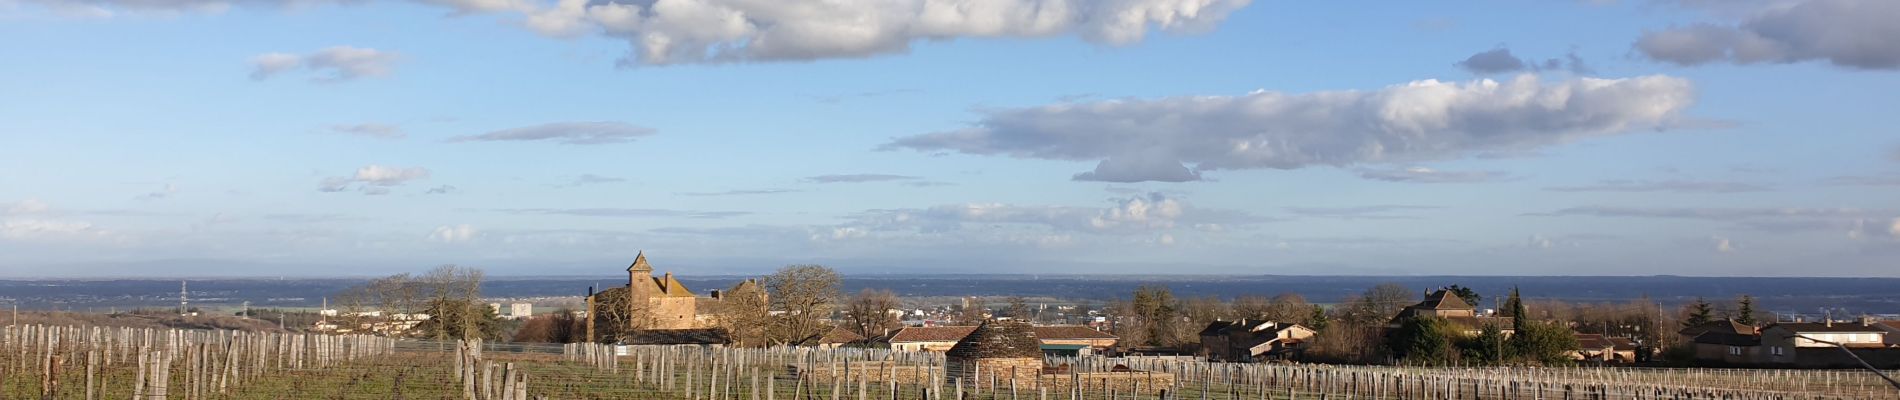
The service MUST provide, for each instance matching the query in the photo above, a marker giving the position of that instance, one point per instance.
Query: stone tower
(640, 279)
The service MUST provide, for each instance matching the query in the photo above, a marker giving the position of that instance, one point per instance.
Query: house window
(1775, 350)
(1735, 350)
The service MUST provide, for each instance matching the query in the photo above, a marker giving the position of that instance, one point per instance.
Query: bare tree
(1252, 307)
(1289, 307)
(805, 295)
(870, 312)
(745, 312)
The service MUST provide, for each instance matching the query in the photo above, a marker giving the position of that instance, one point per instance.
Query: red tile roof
(930, 334)
(1070, 332)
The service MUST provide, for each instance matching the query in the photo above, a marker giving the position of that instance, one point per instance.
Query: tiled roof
(672, 287)
(1070, 332)
(1593, 341)
(1443, 300)
(640, 263)
(998, 339)
(930, 334)
(1478, 323)
(1822, 327)
(1728, 326)
(1726, 338)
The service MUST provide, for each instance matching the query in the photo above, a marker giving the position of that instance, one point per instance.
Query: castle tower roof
(640, 264)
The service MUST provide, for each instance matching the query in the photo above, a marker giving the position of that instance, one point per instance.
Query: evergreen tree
(1318, 321)
(1699, 313)
(1543, 342)
(1745, 310)
(1515, 305)
(1422, 340)
(1464, 293)
(1487, 348)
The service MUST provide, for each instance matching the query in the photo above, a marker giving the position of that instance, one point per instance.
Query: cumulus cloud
(371, 130)
(626, 212)
(1135, 214)
(579, 133)
(739, 192)
(1722, 244)
(1153, 139)
(1501, 61)
(1429, 175)
(453, 234)
(858, 178)
(725, 31)
(34, 228)
(28, 206)
(1706, 213)
(1359, 212)
(334, 64)
(1875, 228)
(1890, 180)
(1679, 186)
(1847, 33)
(374, 179)
(591, 179)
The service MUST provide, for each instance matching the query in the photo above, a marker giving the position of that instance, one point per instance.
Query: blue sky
(265, 138)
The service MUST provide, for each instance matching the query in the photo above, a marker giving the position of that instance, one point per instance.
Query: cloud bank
(1855, 34)
(334, 64)
(663, 32)
(1153, 139)
(577, 133)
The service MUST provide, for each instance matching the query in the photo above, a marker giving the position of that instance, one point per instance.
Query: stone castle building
(659, 303)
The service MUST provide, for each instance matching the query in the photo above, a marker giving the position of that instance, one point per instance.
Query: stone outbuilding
(999, 350)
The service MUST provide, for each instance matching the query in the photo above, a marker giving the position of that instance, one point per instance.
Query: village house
(1800, 344)
(1794, 344)
(1054, 339)
(1448, 306)
(1253, 340)
(1893, 331)
(1598, 348)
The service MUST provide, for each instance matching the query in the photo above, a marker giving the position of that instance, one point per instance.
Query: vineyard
(52, 362)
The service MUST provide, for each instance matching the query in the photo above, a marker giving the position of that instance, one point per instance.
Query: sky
(165, 138)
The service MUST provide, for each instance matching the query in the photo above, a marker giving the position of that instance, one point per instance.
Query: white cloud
(1680, 186)
(375, 179)
(453, 234)
(1722, 244)
(1151, 139)
(1847, 33)
(372, 130)
(389, 176)
(723, 31)
(1429, 175)
(28, 206)
(334, 64)
(566, 133)
(1144, 213)
(38, 229)
(857, 178)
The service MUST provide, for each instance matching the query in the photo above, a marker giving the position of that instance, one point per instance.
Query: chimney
(1830, 322)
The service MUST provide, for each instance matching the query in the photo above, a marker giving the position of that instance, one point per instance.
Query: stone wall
(674, 313)
(1000, 369)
